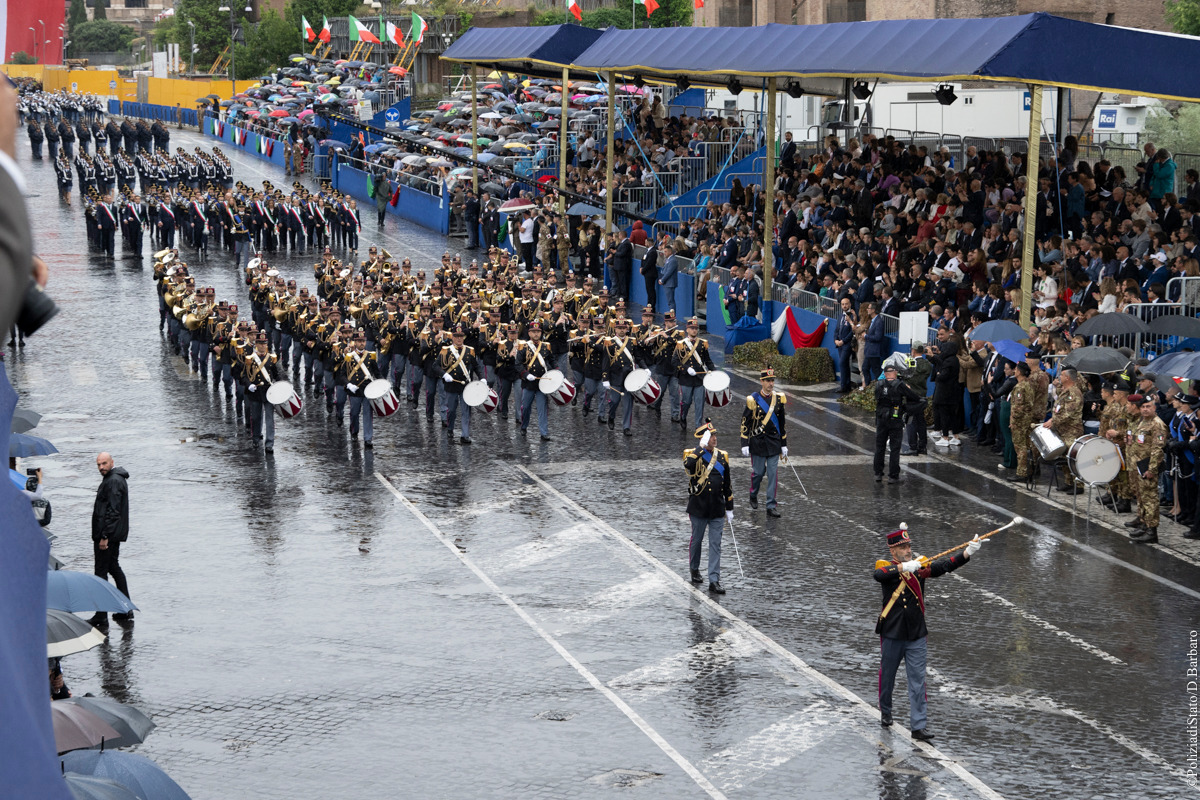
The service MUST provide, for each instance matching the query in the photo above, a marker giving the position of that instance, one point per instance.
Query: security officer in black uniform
(764, 438)
(710, 502)
(892, 395)
(901, 624)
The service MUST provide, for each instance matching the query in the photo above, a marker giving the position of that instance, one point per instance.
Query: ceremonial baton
(1015, 521)
(788, 462)
(735, 548)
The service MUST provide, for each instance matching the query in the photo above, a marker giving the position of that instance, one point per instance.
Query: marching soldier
(1023, 400)
(1144, 451)
(764, 438)
(710, 503)
(359, 367)
(691, 362)
(534, 361)
(901, 625)
(457, 365)
(260, 371)
(618, 362)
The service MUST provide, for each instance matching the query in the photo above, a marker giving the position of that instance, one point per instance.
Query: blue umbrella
(289, 121)
(485, 158)
(1013, 351)
(19, 479)
(141, 775)
(583, 209)
(334, 143)
(67, 590)
(997, 330)
(375, 148)
(85, 787)
(23, 445)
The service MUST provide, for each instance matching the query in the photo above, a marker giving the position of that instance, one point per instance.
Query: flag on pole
(651, 5)
(360, 32)
(309, 34)
(326, 33)
(419, 26)
(573, 7)
(699, 4)
(394, 35)
(787, 323)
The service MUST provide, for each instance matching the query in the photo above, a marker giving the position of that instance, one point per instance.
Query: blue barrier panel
(403, 109)
(685, 292)
(414, 205)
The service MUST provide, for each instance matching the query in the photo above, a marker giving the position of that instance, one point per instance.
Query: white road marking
(607, 602)
(1000, 511)
(696, 662)
(33, 374)
(531, 553)
(573, 508)
(135, 370)
(183, 371)
(1041, 623)
(657, 464)
(654, 736)
(83, 374)
(750, 759)
(1042, 704)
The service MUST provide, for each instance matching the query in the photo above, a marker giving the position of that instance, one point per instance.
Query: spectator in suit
(668, 275)
(843, 340)
(621, 264)
(875, 343)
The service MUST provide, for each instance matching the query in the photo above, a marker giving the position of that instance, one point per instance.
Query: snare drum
(1094, 459)
(1047, 443)
(556, 385)
(477, 394)
(283, 397)
(716, 389)
(382, 397)
(644, 388)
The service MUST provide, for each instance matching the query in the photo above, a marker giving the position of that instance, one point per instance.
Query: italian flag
(787, 324)
(394, 35)
(573, 7)
(307, 30)
(360, 32)
(651, 5)
(420, 26)
(326, 33)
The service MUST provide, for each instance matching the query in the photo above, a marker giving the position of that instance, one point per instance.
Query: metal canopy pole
(562, 142)
(1033, 157)
(768, 184)
(608, 155)
(475, 128)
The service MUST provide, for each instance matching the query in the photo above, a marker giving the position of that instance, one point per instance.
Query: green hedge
(808, 365)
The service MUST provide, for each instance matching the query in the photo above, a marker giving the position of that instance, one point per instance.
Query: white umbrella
(67, 634)
(411, 160)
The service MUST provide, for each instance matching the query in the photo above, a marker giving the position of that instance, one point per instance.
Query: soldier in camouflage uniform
(1067, 417)
(1144, 454)
(1040, 383)
(1022, 399)
(1114, 422)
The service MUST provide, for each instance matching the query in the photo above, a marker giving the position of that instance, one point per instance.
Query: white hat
(1160, 257)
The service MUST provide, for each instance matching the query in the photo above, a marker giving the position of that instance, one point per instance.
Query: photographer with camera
(33, 490)
(892, 398)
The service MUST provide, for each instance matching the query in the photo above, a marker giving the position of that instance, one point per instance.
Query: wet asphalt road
(508, 619)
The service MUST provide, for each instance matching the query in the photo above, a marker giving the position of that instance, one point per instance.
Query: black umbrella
(24, 420)
(132, 725)
(1175, 325)
(1112, 324)
(1096, 360)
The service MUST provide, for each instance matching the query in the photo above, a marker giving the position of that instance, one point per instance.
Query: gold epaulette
(782, 398)
(750, 402)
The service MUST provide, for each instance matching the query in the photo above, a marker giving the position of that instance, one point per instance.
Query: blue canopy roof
(1033, 48)
(537, 50)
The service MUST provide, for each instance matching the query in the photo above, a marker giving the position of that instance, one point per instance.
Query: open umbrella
(24, 445)
(585, 210)
(139, 773)
(1096, 360)
(517, 204)
(67, 634)
(1175, 325)
(1013, 351)
(1114, 323)
(85, 787)
(77, 728)
(25, 420)
(67, 590)
(998, 329)
(1183, 364)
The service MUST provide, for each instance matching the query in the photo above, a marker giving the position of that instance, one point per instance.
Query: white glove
(529, 376)
(692, 371)
(705, 438)
(447, 378)
(251, 388)
(606, 386)
(746, 451)
(729, 516)
(910, 566)
(973, 546)
(785, 451)
(353, 387)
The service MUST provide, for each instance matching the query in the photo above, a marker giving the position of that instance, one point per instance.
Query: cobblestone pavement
(512, 619)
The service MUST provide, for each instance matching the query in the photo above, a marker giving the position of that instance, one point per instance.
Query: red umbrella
(546, 179)
(517, 204)
(279, 112)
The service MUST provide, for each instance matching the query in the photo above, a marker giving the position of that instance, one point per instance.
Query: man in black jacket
(471, 211)
(622, 265)
(110, 527)
(710, 502)
(901, 625)
(650, 271)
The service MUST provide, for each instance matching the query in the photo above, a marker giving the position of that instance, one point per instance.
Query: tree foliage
(314, 10)
(21, 57)
(623, 14)
(268, 44)
(75, 17)
(212, 28)
(1184, 16)
(1178, 133)
(101, 36)
(98, 11)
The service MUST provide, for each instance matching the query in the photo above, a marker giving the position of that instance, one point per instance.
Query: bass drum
(382, 397)
(284, 399)
(1047, 443)
(642, 386)
(1094, 459)
(716, 389)
(477, 394)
